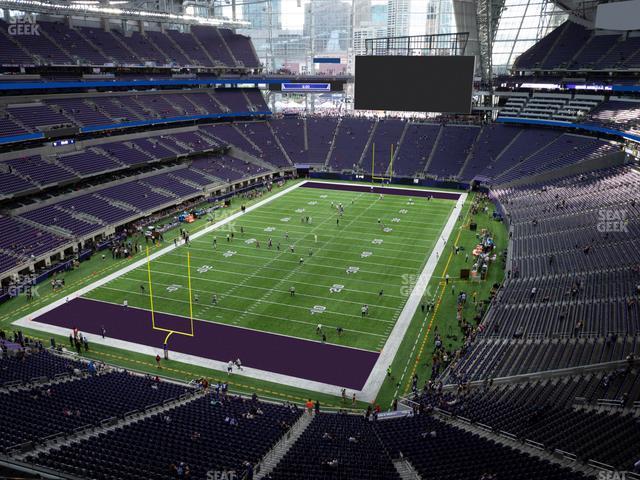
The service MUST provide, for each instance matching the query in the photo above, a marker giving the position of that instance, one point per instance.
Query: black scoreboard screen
(414, 83)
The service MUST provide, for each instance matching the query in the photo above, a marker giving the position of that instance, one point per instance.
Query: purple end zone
(409, 192)
(332, 364)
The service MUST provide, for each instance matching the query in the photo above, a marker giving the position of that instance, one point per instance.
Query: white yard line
(378, 373)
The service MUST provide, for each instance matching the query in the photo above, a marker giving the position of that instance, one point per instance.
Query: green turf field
(252, 284)
(414, 355)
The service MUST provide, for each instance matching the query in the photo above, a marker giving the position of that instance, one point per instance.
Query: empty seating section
(576, 109)
(97, 207)
(116, 110)
(320, 132)
(59, 44)
(386, 134)
(153, 148)
(350, 141)
(199, 433)
(489, 144)
(502, 357)
(438, 450)
(205, 101)
(156, 106)
(227, 168)
(39, 171)
(513, 106)
(451, 150)
(546, 412)
(21, 240)
(574, 47)
(86, 214)
(191, 177)
(169, 49)
(241, 48)
(565, 150)
(35, 365)
(66, 220)
(534, 56)
(552, 106)
(594, 50)
(524, 143)
(256, 100)
(623, 55)
(9, 127)
(182, 104)
(349, 439)
(142, 47)
(30, 415)
(291, 133)
(11, 183)
(108, 110)
(10, 52)
(617, 114)
(415, 149)
(229, 134)
(573, 37)
(233, 100)
(106, 43)
(166, 183)
(217, 48)
(191, 47)
(125, 153)
(41, 48)
(261, 135)
(26, 174)
(75, 44)
(210, 432)
(38, 115)
(141, 198)
(194, 141)
(570, 297)
(81, 111)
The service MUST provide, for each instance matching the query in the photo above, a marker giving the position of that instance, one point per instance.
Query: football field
(336, 264)
(306, 285)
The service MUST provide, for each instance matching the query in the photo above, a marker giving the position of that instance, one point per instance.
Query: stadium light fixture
(85, 7)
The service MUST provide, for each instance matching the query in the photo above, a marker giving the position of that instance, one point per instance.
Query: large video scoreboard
(414, 83)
